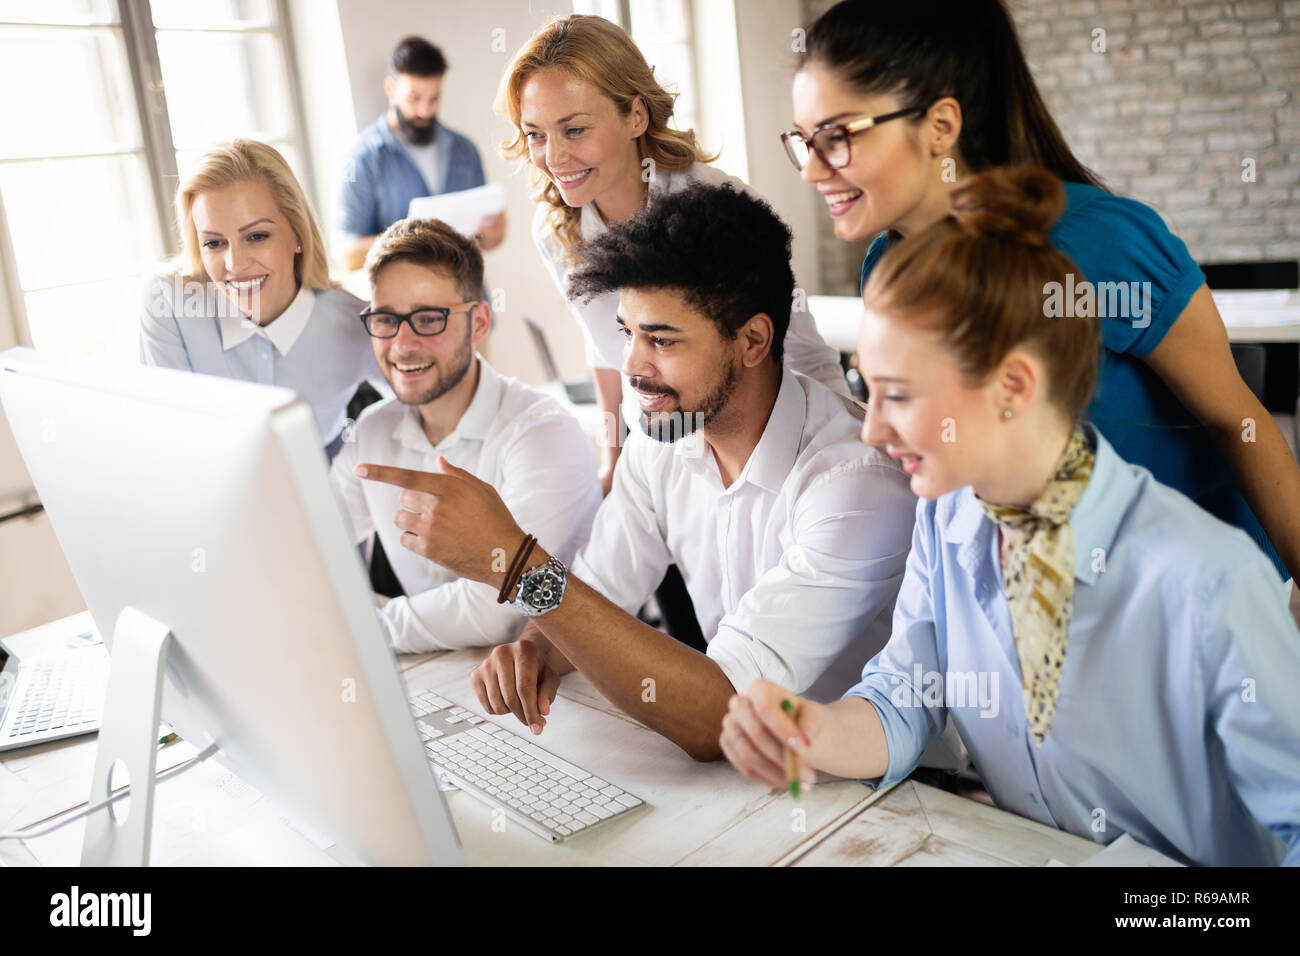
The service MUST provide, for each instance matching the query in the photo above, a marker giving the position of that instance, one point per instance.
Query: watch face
(541, 590)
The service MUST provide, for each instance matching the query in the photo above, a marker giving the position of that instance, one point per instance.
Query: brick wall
(1185, 92)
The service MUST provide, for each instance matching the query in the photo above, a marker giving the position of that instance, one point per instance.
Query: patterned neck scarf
(1038, 577)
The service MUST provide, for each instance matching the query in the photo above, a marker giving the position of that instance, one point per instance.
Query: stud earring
(1006, 414)
(299, 249)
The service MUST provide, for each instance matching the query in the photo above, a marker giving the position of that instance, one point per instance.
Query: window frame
(139, 36)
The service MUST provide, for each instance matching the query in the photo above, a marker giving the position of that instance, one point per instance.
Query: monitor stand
(118, 835)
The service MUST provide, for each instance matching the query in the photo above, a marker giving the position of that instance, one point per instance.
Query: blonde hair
(244, 160)
(601, 53)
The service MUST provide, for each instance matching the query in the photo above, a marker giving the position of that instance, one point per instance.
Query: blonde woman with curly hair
(591, 126)
(251, 295)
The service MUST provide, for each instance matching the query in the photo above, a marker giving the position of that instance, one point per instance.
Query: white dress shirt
(517, 440)
(793, 569)
(804, 350)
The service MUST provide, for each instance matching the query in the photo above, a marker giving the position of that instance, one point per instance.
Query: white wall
(764, 29)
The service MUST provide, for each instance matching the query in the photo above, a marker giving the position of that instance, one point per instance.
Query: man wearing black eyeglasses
(425, 318)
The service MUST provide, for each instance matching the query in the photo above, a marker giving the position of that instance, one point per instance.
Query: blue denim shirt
(1177, 718)
(382, 179)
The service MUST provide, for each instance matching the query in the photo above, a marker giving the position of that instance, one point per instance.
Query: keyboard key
(628, 800)
(567, 768)
(563, 831)
(600, 811)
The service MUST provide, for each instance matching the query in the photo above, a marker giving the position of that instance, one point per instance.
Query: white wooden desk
(918, 825)
(696, 814)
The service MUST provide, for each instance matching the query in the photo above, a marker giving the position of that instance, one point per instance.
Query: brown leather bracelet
(517, 573)
(510, 570)
(516, 569)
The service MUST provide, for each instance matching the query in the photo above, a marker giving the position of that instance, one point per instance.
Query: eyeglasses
(831, 141)
(386, 325)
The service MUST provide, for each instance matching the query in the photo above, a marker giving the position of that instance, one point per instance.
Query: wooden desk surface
(696, 814)
(918, 825)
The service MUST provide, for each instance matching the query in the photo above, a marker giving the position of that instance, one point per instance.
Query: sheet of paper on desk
(184, 810)
(1125, 851)
(461, 210)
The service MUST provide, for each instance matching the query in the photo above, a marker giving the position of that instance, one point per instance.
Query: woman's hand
(757, 729)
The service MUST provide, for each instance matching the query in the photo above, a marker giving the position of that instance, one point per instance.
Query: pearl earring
(299, 249)
(1006, 413)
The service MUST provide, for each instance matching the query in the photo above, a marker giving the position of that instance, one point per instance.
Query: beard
(675, 424)
(415, 135)
(446, 378)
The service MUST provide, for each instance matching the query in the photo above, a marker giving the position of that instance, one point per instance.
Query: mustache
(641, 385)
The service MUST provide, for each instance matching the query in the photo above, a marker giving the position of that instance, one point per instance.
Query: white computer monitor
(202, 506)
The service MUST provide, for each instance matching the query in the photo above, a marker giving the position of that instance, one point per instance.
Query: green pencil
(791, 758)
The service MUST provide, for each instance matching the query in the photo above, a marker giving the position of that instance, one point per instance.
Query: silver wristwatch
(541, 588)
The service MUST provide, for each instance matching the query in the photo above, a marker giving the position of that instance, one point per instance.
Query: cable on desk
(167, 774)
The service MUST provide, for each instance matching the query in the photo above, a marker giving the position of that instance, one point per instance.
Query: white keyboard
(536, 789)
(54, 697)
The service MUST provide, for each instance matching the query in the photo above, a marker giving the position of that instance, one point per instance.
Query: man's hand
(491, 231)
(517, 679)
(453, 519)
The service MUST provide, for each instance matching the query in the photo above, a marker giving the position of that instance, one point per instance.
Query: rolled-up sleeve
(549, 484)
(840, 571)
(889, 679)
(626, 556)
(1251, 664)
(358, 204)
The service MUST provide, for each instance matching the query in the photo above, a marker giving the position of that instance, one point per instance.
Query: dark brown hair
(431, 243)
(924, 50)
(980, 278)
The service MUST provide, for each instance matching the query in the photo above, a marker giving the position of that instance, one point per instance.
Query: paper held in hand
(461, 210)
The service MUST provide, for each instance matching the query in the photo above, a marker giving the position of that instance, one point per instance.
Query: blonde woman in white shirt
(591, 125)
(424, 320)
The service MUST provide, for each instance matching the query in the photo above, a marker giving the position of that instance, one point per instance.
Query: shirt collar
(474, 425)
(1095, 519)
(770, 462)
(282, 333)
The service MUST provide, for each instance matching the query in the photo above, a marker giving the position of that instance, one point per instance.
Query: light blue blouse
(1178, 715)
(324, 365)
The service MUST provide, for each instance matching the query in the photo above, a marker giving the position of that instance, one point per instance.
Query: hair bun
(1018, 203)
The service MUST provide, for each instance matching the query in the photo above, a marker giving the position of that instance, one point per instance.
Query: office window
(662, 30)
(226, 76)
(123, 93)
